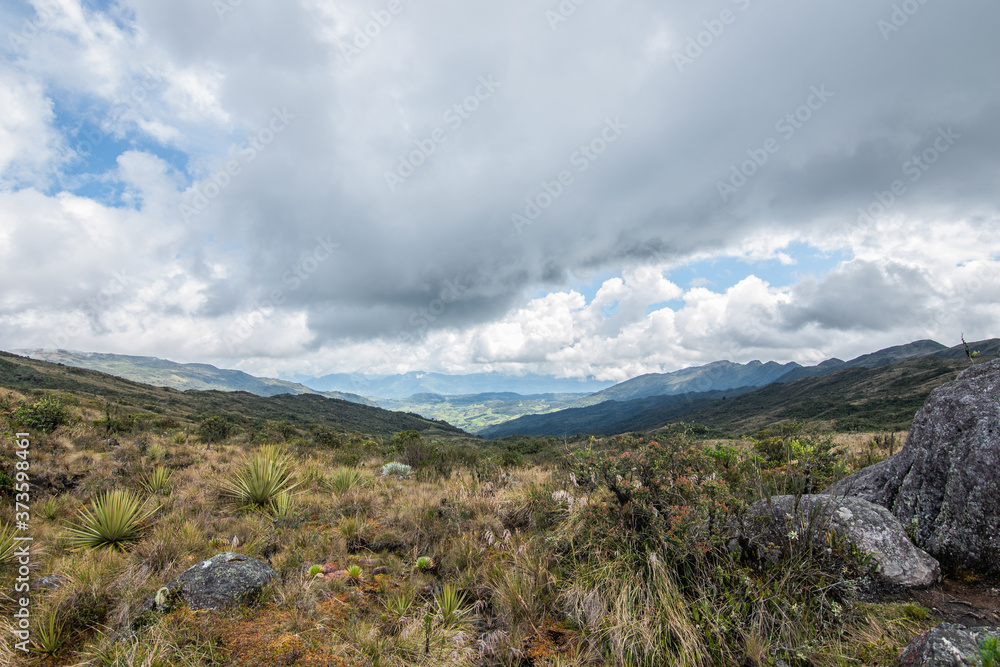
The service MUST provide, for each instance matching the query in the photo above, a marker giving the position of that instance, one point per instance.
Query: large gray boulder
(772, 525)
(944, 485)
(947, 645)
(223, 580)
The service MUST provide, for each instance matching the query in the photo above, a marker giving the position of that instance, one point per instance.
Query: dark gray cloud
(837, 104)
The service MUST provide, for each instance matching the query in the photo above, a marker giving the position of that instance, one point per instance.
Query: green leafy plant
(397, 470)
(424, 563)
(354, 572)
(989, 652)
(262, 478)
(315, 569)
(113, 519)
(50, 635)
(45, 415)
(157, 480)
(969, 352)
(344, 479)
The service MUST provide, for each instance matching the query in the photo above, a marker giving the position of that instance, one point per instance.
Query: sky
(582, 188)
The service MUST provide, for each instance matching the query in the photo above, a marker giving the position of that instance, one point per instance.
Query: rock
(48, 581)
(772, 525)
(223, 580)
(380, 570)
(944, 485)
(947, 645)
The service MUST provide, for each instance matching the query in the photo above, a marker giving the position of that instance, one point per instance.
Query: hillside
(300, 409)
(609, 417)
(716, 376)
(885, 397)
(164, 373)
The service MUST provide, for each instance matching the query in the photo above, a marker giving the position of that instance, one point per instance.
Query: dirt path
(969, 604)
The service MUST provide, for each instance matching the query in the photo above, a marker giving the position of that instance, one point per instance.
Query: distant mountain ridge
(303, 410)
(888, 384)
(716, 376)
(164, 373)
(886, 357)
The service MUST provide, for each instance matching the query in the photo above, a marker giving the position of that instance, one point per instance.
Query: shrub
(113, 520)
(264, 475)
(662, 496)
(45, 415)
(397, 470)
(215, 429)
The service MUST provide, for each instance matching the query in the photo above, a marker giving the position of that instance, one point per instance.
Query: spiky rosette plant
(263, 477)
(113, 520)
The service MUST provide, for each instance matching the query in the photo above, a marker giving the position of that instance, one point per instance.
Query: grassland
(533, 558)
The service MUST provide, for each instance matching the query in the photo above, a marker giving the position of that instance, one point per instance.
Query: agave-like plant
(7, 543)
(449, 604)
(263, 477)
(156, 481)
(50, 635)
(113, 519)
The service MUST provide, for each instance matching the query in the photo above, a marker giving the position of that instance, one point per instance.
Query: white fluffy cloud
(275, 124)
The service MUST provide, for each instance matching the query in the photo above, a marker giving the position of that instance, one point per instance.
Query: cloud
(188, 100)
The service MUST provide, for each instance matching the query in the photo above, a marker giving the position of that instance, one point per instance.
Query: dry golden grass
(502, 537)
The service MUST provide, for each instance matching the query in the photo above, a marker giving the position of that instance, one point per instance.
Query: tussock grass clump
(114, 519)
(343, 479)
(261, 479)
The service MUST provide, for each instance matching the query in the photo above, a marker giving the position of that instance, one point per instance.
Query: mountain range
(418, 382)
(164, 373)
(494, 405)
(875, 390)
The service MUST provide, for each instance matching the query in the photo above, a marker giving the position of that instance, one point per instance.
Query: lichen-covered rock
(223, 580)
(947, 645)
(944, 485)
(773, 524)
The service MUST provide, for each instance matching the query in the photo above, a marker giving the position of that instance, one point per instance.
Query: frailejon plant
(262, 478)
(397, 470)
(113, 519)
(425, 563)
(354, 572)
